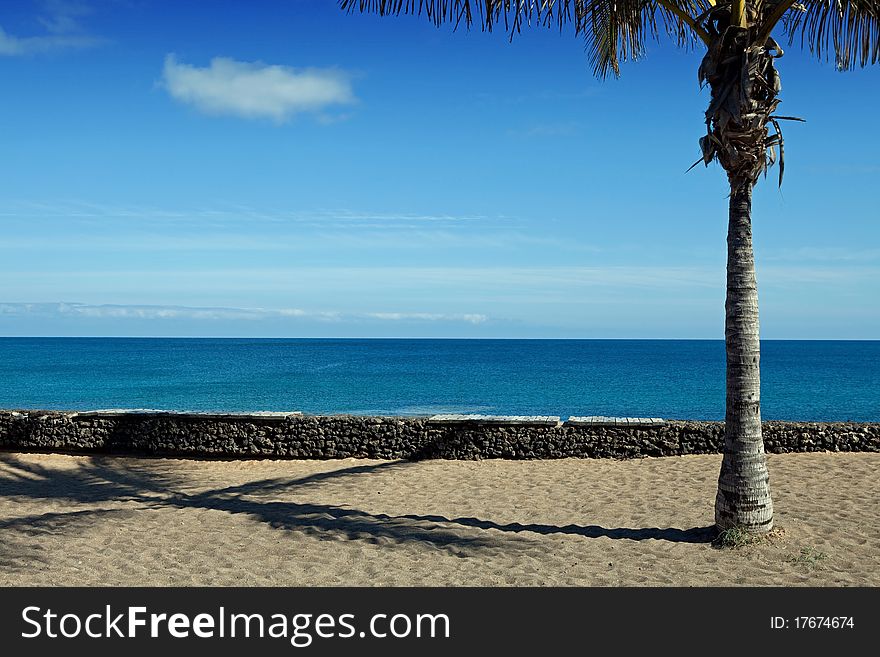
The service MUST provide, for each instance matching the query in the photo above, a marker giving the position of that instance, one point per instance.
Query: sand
(110, 520)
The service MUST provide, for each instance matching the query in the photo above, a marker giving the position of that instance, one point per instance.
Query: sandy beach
(109, 520)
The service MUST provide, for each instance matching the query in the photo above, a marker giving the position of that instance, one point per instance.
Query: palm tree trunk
(743, 498)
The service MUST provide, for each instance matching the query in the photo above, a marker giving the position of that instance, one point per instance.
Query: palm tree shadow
(335, 523)
(112, 479)
(263, 486)
(97, 479)
(108, 480)
(693, 535)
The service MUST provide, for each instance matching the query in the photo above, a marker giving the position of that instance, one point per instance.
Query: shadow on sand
(109, 479)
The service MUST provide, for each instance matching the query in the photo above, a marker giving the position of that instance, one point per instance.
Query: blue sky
(284, 169)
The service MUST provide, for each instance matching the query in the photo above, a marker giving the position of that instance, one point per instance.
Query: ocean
(673, 379)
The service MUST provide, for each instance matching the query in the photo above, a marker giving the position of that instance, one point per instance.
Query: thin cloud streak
(150, 312)
(76, 209)
(472, 279)
(822, 254)
(63, 16)
(541, 130)
(313, 242)
(61, 20)
(236, 227)
(471, 282)
(11, 45)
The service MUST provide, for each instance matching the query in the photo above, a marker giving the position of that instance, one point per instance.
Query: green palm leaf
(614, 31)
(848, 30)
(617, 31)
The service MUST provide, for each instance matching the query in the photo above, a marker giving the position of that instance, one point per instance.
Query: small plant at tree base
(734, 537)
(738, 536)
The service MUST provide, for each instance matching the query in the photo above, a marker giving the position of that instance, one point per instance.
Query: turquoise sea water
(684, 379)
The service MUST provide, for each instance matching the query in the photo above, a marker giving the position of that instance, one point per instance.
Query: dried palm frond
(738, 68)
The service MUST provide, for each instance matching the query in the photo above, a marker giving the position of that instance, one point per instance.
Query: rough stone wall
(340, 436)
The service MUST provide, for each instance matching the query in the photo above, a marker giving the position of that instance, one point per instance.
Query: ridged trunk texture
(743, 498)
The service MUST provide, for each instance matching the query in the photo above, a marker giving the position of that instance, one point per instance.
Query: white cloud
(151, 312)
(115, 311)
(470, 318)
(255, 90)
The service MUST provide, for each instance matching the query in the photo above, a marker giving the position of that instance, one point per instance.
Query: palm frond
(847, 30)
(614, 31)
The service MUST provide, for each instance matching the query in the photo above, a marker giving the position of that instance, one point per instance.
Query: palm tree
(739, 70)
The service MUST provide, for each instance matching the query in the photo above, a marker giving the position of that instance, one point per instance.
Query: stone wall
(293, 435)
